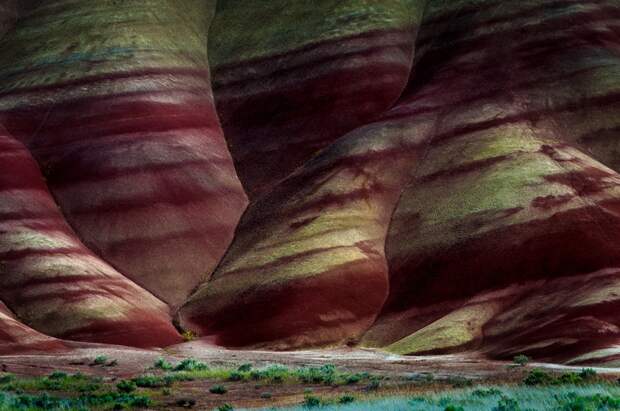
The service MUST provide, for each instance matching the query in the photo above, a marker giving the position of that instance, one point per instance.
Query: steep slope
(52, 282)
(308, 73)
(501, 201)
(113, 100)
(497, 203)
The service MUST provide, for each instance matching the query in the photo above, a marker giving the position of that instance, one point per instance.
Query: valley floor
(198, 376)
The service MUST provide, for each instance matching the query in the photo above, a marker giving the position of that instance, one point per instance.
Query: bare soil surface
(401, 374)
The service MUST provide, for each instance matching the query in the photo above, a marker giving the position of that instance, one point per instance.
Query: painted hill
(423, 176)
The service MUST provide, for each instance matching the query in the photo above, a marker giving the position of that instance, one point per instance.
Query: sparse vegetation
(540, 377)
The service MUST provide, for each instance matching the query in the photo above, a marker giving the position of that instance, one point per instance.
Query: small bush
(346, 399)
(454, 408)
(58, 375)
(236, 376)
(570, 378)
(225, 407)
(244, 368)
(218, 389)
(538, 377)
(588, 374)
(6, 378)
(190, 364)
(151, 381)
(521, 360)
(100, 360)
(162, 364)
(265, 395)
(507, 404)
(126, 386)
(312, 401)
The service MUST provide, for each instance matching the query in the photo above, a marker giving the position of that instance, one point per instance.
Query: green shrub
(100, 360)
(225, 407)
(190, 364)
(454, 408)
(312, 401)
(151, 381)
(236, 376)
(538, 377)
(218, 389)
(162, 364)
(521, 360)
(58, 375)
(570, 378)
(507, 404)
(126, 386)
(588, 374)
(265, 395)
(6, 378)
(244, 367)
(346, 399)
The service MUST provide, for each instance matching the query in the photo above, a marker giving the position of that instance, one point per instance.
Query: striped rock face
(52, 282)
(305, 75)
(505, 236)
(113, 100)
(490, 184)
(425, 176)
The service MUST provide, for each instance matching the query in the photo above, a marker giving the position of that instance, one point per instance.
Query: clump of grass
(225, 407)
(266, 395)
(218, 389)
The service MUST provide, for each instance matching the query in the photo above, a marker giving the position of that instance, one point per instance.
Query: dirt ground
(403, 373)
